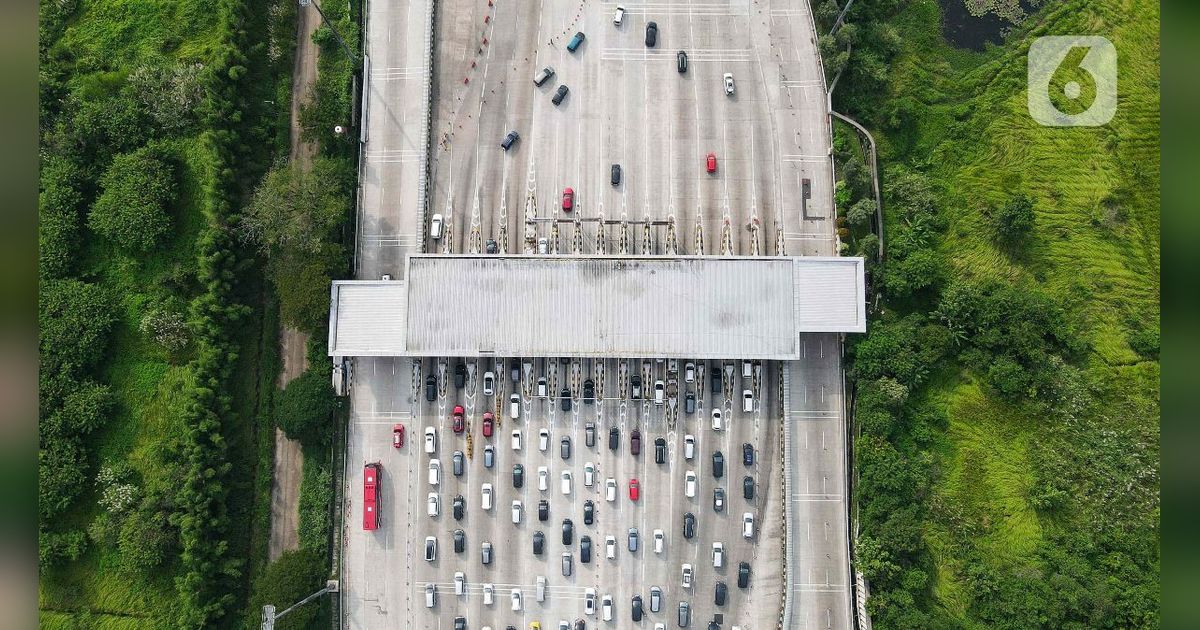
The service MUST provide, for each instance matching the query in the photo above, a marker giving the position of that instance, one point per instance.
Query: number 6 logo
(1055, 78)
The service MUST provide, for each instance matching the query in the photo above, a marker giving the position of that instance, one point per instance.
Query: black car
(616, 174)
(589, 512)
(637, 608)
(635, 383)
(492, 246)
(748, 454)
(589, 434)
(568, 531)
(719, 594)
(681, 61)
(460, 375)
(689, 403)
(458, 463)
(651, 34)
(743, 575)
(585, 549)
(589, 391)
(689, 525)
(539, 542)
(718, 499)
(565, 397)
(460, 541)
(718, 465)
(508, 141)
(748, 488)
(518, 476)
(543, 510)
(460, 623)
(564, 448)
(635, 442)
(614, 438)
(485, 553)
(660, 451)
(715, 380)
(431, 388)
(560, 95)
(460, 506)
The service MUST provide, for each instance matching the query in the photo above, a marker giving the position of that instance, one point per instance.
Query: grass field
(1094, 250)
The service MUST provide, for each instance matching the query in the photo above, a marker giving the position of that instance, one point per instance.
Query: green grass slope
(1028, 509)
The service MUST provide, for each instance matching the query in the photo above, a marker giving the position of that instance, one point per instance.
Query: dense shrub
(316, 496)
(85, 408)
(74, 319)
(55, 547)
(61, 478)
(294, 576)
(132, 210)
(59, 204)
(304, 409)
(1012, 221)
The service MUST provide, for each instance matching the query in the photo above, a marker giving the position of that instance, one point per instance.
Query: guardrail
(426, 121)
(788, 578)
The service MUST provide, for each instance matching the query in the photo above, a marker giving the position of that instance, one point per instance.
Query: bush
(861, 213)
(144, 541)
(166, 327)
(59, 204)
(294, 576)
(304, 409)
(132, 209)
(61, 477)
(1013, 221)
(316, 495)
(55, 547)
(302, 285)
(74, 319)
(84, 409)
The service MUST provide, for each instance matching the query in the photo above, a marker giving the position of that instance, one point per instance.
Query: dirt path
(289, 461)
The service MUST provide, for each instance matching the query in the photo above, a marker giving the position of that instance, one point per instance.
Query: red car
(489, 423)
(568, 199)
(634, 488)
(711, 163)
(458, 419)
(397, 436)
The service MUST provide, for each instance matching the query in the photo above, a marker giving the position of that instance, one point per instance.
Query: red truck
(371, 496)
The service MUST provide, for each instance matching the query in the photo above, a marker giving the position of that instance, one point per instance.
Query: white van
(747, 401)
(435, 471)
(430, 594)
(460, 583)
(541, 588)
(543, 245)
(435, 227)
(516, 439)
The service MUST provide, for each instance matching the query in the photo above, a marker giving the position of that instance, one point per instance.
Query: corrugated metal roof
(687, 307)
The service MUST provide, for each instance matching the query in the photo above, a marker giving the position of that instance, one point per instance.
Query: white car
(606, 606)
(489, 383)
(747, 525)
(659, 539)
(718, 554)
(659, 392)
(689, 484)
(514, 406)
(516, 599)
(516, 512)
(542, 387)
(610, 547)
(435, 505)
(516, 439)
(747, 401)
(543, 440)
(460, 583)
(435, 471)
(716, 419)
(687, 576)
(488, 591)
(747, 366)
(589, 474)
(566, 482)
(430, 440)
(487, 496)
(728, 78)
(430, 595)
(543, 478)
(541, 588)
(435, 227)
(689, 446)
(619, 16)
(689, 372)
(610, 489)
(589, 601)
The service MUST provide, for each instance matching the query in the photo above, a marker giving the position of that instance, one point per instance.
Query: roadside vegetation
(156, 120)
(1007, 393)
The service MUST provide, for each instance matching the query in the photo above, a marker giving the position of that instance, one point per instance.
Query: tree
(304, 409)
(861, 213)
(1013, 221)
(59, 203)
(74, 319)
(294, 576)
(294, 212)
(60, 477)
(302, 284)
(132, 209)
(84, 409)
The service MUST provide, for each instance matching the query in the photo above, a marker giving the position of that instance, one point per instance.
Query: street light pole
(269, 615)
(336, 34)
